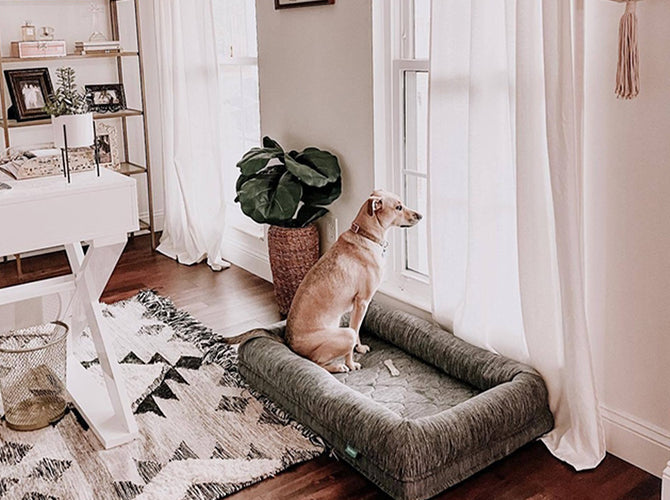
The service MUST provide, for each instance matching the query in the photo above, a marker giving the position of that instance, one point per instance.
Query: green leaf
(256, 160)
(270, 143)
(322, 161)
(305, 173)
(270, 197)
(322, 195)
(308, 214)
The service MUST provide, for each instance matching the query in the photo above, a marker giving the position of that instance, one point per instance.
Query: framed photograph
(28, 90)
(287, 4)
(107, 139)
(105, 98)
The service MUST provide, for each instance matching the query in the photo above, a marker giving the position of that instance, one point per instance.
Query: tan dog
(344, 279)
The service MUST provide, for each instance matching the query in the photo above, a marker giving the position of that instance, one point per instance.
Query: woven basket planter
(293, 251)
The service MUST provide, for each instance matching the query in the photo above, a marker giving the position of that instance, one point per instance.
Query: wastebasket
(32, 375)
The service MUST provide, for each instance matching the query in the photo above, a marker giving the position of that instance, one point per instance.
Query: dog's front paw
(338, 368)
(362, 348)
(355, 366)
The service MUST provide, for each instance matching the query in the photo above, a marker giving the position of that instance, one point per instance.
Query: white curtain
(193, 164)
(505, 197)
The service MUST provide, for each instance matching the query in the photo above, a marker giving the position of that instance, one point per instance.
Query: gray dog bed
(450, 410)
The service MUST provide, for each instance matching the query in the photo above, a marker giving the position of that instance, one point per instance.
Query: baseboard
(640, 443)
(247, 258)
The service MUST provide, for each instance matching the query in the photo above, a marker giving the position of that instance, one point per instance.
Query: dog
(344, 280)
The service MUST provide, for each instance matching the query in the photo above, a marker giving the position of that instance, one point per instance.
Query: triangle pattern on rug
(6, 484)
(12, 453)
(149, 405)
(183, 452)
(158, 358)
(50, 469)
(127, 490)
(220, 453)
(173, 374)
(163, 391)
(189, 362)
(209, 491)
(148, 469)
(255, 453)
(131, 358)
(37, 496)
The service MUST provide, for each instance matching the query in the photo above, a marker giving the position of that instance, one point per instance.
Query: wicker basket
(293, 252)
(32, 375)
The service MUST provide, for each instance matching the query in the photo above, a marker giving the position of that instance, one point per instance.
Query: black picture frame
(289, 4)
(106, 97)
(29, 90)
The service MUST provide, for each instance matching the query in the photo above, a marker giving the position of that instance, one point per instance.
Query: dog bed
(439, 412)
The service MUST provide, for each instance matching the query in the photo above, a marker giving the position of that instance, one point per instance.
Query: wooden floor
(234, 300)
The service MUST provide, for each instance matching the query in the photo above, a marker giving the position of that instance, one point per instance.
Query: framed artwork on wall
(287, 4)
(28, 90)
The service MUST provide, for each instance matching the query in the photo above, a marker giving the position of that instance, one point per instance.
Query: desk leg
(116, 424)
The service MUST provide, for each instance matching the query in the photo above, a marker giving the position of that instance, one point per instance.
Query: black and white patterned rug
(204, 433)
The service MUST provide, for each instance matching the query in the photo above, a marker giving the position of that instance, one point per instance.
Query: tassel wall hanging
(628, 67)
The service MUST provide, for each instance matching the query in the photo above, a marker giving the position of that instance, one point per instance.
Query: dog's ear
(374, 204)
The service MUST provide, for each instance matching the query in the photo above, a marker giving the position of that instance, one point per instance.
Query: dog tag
(352, 452)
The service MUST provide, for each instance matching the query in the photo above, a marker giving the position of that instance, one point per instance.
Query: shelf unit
(128, 167)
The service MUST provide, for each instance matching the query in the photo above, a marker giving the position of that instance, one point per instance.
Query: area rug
(204, 433)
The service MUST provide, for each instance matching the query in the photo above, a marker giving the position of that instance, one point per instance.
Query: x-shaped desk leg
(109, 414)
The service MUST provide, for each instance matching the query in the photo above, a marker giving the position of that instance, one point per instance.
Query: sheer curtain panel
(505, 197)
(193, 166)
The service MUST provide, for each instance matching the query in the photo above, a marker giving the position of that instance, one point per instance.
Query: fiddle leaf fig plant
(287, 189)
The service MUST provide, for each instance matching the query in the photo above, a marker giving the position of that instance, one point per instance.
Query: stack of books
(98, 47)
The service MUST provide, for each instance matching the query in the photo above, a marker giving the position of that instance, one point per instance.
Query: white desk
(48, 212)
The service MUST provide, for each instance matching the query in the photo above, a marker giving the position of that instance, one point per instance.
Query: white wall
(315, 74)
(627, 148)
(71, 20)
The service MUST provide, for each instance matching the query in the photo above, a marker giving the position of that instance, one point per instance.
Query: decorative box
(39, 48)
(48, 161)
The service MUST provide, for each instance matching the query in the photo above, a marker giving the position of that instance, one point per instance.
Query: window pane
(240, 113)
(416, 121)
(416, 238)
(421, 29)
(235, 26)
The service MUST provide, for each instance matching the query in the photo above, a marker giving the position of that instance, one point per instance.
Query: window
(235, 22)
(401, 55)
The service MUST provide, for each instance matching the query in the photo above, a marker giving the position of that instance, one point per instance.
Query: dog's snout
(418, 216)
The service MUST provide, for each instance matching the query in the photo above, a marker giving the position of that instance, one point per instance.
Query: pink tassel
(628, 67)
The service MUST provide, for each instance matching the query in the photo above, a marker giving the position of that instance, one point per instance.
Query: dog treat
(392, 369)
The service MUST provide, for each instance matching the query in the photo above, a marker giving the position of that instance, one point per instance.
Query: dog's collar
(355, 228)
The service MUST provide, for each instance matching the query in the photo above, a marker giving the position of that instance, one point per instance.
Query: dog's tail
(274, 332)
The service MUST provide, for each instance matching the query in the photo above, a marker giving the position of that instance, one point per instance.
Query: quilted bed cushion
(452, 409)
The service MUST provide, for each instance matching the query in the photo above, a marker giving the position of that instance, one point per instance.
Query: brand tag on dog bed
(352, 452)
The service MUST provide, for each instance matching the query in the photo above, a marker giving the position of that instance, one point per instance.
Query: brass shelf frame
(127, 167)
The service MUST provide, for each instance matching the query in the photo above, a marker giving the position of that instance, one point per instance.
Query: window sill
(418, 301)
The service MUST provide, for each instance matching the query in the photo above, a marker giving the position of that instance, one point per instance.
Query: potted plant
(289, 191)
(67, 106)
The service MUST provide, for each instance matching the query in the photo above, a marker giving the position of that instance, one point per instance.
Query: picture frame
(106, 97)
(107, 140)
(288, 4)
(28, 91)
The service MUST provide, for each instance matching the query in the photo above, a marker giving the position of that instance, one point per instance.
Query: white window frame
(390, 18)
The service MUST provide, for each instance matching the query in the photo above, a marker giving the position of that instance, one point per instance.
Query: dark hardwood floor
(234, 300)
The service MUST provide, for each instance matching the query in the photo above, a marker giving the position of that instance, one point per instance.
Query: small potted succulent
(289, 191)
(67, 106)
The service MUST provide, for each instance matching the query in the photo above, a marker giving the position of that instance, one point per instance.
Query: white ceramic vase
(79, 130)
